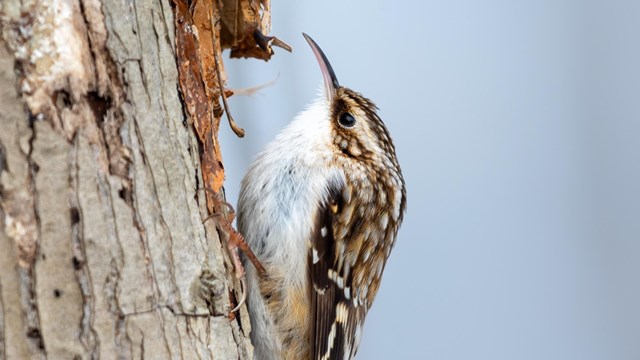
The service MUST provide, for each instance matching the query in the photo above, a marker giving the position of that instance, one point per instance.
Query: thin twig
(236, 129)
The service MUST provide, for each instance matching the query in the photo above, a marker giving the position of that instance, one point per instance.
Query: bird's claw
(243, 294)
(235, 241)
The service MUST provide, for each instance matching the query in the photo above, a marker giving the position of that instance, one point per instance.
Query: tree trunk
(103, 248)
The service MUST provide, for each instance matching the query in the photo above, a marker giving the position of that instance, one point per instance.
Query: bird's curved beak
(330, 79)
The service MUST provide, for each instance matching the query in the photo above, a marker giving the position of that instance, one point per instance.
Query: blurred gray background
(517, 125)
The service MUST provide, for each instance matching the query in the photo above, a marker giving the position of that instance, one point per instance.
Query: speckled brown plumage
(361, 220)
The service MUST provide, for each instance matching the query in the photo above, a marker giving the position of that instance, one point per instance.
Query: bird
(320, 207)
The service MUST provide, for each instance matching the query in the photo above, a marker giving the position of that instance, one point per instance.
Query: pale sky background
(517, 126)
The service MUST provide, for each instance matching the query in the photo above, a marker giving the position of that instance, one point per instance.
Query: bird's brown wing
(336, 323)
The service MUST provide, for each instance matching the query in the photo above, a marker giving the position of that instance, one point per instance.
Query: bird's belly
(289, 308)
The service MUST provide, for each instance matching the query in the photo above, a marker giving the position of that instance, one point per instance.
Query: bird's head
(357, 131)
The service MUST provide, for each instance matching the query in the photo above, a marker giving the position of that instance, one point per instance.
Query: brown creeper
(320, 207)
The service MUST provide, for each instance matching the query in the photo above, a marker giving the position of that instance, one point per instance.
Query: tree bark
(103, 248)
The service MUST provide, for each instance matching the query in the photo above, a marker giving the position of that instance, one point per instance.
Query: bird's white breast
(278, 202)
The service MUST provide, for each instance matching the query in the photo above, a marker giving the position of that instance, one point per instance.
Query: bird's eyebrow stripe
(339, 107)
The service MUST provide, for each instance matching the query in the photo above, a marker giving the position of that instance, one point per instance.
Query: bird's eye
(347, 120)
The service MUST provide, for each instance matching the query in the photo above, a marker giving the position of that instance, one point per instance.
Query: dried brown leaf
(244, 27)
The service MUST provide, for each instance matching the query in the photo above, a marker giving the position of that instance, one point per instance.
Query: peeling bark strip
(203, 28)
(202, 32)
(103, 252)
(201, 97)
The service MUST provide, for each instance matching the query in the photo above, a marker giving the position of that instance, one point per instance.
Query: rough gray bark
(103, 252)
